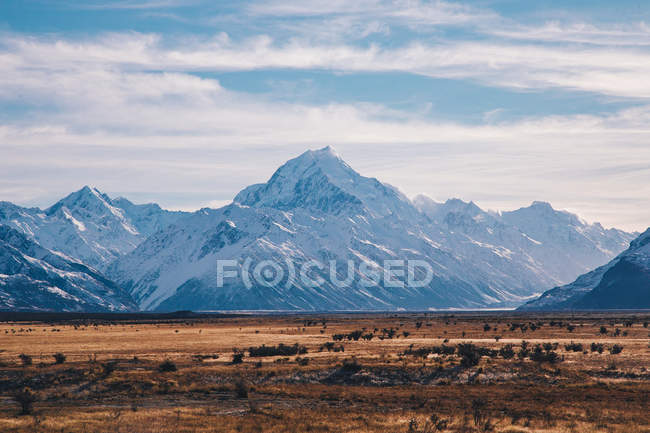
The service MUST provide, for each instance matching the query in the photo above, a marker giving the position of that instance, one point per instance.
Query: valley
(381, 372)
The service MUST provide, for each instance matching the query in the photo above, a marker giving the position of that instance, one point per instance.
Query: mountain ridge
(623, 283)
(316, 207)
(35, 278)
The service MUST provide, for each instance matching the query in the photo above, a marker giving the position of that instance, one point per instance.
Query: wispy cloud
(133, 112)
(131, 4)
(630, 34)
(408, 11)
(609, 71)
(102, 118)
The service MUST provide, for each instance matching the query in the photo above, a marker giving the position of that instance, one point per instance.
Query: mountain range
(623, 283)
(315, 207)
(35, 278)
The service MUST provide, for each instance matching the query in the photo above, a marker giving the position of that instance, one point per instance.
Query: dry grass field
(329, 373)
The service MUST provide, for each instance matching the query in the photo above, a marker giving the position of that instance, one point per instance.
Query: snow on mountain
(88, 225)
(315, 207)
(35, 278)
(558, 245)
(623, 283)
(569, 246)
(321, 181)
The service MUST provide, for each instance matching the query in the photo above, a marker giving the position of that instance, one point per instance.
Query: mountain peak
(325, 159)
(320, 179)
(86, 197)
(329, 150)
(537, 204)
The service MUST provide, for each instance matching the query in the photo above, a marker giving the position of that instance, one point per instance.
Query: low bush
(167, 366)
(597, 347)
(25, 359)
(573, 347)
(241, 389)
(616, 349)
(351, 365)
(541, 355)
(470, 354)
(423, 352)
(507, 352)
(26, 399)
(279, 350)
(237, 357)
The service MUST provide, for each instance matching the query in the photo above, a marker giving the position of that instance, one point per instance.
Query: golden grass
(111, 379)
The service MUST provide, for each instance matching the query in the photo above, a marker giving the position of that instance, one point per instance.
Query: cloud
(127, 112)
(618, 72)
(632, 34)
(131, 4)
(185, 140)
(404, 12)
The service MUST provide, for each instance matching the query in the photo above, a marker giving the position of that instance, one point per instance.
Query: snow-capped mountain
(558, 244)
(623, 283)
(35, 278)
(315, 207)
(88, 226)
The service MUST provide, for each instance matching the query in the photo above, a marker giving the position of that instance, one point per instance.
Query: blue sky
(186, 102)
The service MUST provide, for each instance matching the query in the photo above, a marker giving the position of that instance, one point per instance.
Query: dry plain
(456, 372)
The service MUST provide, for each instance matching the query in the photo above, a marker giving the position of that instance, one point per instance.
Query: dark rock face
(626, 286)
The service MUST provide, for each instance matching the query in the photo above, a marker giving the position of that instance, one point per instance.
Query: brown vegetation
(329, 373)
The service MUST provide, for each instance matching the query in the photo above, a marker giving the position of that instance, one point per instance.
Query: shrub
(548, 347)
(423, 352)
(26, 399)
(541, 355)
(355, 335)
(616, 349)
(523, 351)
(603, 330)
(302, 361)
(279, 350)
(351, 365)
(573, 347)
(237, 357)
(597, 347)
(25, 359)
(470, 354)
(480, 415)
(108, 368)
(167, 366)
(330, 346)
(59, 358)
(507, 352)
(241, 389)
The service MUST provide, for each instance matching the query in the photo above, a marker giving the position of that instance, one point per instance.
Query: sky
(185, 103)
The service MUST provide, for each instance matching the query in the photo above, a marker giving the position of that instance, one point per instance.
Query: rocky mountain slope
(623, 283)
(88, 225)
(317, 208)
(35, 278)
